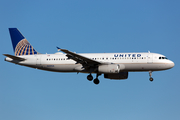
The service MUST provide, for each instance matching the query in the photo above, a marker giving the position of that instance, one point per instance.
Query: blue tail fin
(20, 45)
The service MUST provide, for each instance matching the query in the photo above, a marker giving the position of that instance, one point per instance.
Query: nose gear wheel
(150, 74)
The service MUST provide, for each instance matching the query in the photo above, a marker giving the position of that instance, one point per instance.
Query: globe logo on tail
(24, 48)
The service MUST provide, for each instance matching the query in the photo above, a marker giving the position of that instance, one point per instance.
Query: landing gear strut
(96, 80)
(150, 74)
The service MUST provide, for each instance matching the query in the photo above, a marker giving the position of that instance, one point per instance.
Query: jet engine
(117, 76)
(111, 68)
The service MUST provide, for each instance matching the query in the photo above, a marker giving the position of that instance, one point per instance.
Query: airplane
(115, 66)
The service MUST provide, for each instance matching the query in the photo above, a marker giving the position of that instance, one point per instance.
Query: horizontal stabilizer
(14, 57)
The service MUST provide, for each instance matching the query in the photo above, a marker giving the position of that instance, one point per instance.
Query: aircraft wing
(80, 59)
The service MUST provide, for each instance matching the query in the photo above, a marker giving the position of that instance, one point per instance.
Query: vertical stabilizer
(20, 45)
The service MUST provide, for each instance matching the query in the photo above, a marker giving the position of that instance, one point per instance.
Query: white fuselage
(58, 62)
(113, 65)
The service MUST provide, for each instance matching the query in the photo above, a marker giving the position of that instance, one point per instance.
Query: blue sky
(93, 26)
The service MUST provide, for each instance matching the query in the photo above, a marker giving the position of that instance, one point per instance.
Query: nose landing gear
(150, 74)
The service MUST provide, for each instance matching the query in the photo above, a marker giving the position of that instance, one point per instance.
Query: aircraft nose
(172, 64)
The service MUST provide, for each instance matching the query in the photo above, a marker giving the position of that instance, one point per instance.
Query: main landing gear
(90, 77)
(96, 80)
(150, 74)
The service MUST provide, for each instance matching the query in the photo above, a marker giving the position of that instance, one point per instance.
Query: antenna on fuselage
(149, 51)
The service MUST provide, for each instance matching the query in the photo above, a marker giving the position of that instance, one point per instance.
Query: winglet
(58, 48)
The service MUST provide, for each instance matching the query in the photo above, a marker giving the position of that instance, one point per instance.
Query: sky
(90, 26)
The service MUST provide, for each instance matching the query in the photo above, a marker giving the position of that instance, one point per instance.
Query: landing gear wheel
(150, 74)
(96, 81)
(151, 79)
(90, 77)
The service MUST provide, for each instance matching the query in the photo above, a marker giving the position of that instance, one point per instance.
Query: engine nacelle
(117, 76)
(112, 68)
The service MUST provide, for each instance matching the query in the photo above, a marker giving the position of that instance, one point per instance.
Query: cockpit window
(163, 58)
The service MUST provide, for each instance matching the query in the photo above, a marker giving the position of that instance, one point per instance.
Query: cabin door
(38, 60)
